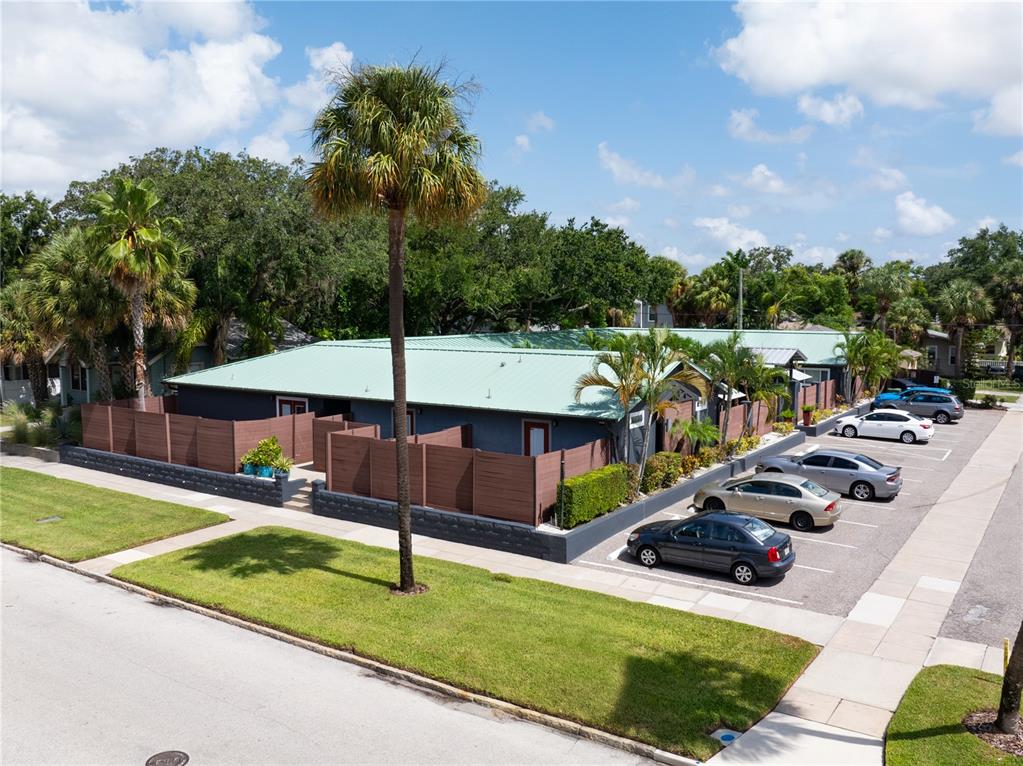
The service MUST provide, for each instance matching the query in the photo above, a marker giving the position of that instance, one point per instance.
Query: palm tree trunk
(223, 327)
(100, 365)
(1010, 352)
(138, 336)
(37, 380)
(728, 413)
(1008, 709)
(396, 310)
(959, 352)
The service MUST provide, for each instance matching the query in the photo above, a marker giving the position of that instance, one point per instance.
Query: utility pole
(740, 300)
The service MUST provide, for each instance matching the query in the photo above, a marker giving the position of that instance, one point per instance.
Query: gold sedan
(777, 497)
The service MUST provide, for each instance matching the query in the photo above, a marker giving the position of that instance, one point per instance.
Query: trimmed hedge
(663, 469)
(964, 389)
(593, 494)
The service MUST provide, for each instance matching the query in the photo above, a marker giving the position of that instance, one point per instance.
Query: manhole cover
(48, 519)
(168, 758)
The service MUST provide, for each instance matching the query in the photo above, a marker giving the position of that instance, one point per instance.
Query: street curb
(423, 682)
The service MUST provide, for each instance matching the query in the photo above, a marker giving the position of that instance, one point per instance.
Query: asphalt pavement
(989, 605)
(835, 566)
(92, 674)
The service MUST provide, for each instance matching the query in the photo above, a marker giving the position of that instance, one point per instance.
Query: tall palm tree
(137, 252)
(394, 139)
(1007, 719)
(679, 301)
(618, 368)
(21, 340)
(662, 355)
(1007, 293)
(961, 305)
(886, 284)
(72, 302)
(763, 383)
(908, 320)
(870, 356)
(725, 362)
(696, 432)
(853, 349)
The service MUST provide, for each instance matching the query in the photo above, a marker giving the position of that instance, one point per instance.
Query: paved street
(95, 675)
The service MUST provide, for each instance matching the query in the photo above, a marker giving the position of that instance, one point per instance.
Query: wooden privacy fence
(737, 419)
(325, 425)
(446, 473)
(217, 445)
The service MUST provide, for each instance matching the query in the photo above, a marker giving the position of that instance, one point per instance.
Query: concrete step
(298, 505)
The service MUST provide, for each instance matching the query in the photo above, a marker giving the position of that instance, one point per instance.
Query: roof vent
(501, 365)
(488, 393)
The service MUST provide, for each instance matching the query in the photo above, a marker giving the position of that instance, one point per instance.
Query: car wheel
(772, 470)
(941, 417)
(743, 573)
(802, 521)
(907, 437)
(713, 504)
(861, 490)
(648, 557)
(849, 432)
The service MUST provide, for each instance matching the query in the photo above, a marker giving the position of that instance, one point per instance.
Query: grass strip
(75, 521)
(658, 675)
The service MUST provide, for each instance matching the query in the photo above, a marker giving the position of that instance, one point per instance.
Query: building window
(636, 419)
(195, 366)
(52, 371)
(651, 313)
(952, 355)
(291, 406)
(77, 377)
(536, 437)
(410, 420)
(932, 356)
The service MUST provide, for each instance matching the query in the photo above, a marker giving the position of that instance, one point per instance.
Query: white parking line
(822, 542)
(857, 523)
(615, 553)
(815, 569)
(698, 584)
(915, 481)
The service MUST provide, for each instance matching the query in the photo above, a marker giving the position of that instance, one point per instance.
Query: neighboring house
(77, 381)
(15, 386)
(652, 315)
(939, 353)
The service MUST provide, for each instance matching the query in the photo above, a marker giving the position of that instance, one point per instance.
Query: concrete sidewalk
(837, 711)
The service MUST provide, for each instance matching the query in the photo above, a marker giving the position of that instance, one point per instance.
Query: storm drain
(48, 519)
(168, 758)
(725, 736)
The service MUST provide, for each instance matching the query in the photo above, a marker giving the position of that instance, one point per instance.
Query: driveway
(835, 566)
(93, 674)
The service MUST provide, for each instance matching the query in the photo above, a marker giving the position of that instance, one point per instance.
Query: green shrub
(663, 469)
(809, 407)
(688, 465)
(747, 443)
(989, 401)
(709, 455)
(965, 389)
(783, 428)
(592, 494)
(632, 481)
(267, 452)
(787, 415)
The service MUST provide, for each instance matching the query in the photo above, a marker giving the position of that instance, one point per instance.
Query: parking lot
(834, 566)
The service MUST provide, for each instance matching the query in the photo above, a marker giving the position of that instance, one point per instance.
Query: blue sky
(698, 127)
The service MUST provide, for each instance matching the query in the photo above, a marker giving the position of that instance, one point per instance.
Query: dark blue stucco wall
(240, 405)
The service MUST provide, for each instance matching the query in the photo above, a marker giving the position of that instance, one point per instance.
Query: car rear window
(758, 529)
(814, 488)
(869, 461)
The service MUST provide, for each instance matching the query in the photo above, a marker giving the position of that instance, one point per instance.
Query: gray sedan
(851, 473)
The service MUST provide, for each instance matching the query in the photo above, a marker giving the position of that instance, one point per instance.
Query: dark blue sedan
(745, 547)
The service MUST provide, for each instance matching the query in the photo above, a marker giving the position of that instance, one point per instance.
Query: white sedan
(887, 424)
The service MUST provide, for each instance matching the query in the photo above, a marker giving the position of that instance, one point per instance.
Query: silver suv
(941, 408)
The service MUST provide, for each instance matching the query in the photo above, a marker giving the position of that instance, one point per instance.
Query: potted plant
(282, 466)
(808, 413)
(262, 459)
(787, 416)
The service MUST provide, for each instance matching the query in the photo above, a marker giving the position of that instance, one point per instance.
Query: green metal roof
(817, 346)
(534, 381)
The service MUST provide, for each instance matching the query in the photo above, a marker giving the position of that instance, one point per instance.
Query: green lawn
(658, 675)
(927, 727)
(93, 521)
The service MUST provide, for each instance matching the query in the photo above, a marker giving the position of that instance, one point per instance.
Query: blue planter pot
(265, 472)
(248, 469)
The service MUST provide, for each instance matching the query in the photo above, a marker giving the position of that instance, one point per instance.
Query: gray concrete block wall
(248, 488)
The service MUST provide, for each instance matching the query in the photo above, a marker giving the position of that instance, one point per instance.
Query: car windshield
(813, 487)
(758, 529)
(869, 461)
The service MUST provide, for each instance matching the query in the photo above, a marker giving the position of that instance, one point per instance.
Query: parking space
(834, 566)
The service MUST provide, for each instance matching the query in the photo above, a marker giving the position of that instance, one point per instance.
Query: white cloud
(799, 237)
(625, 171)
(881, 233)
(816, 254)
(731, 234)
(522, 143)
(693, 261)
(718, 190)
(739, 211)
(100, 84)
(892, 53)
(538, 121)
(887, 179)
(1014, 159)
(743, 126)
(763, 179)
(842, 237)
(618, 221)
(625, 205)
(987, 223)
(671, 223)
(838, 112)
(915, 216)
(301, 102)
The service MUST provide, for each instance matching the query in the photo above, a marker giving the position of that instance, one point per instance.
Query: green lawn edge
(927, 728)
(657, 675)
(95, 521)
